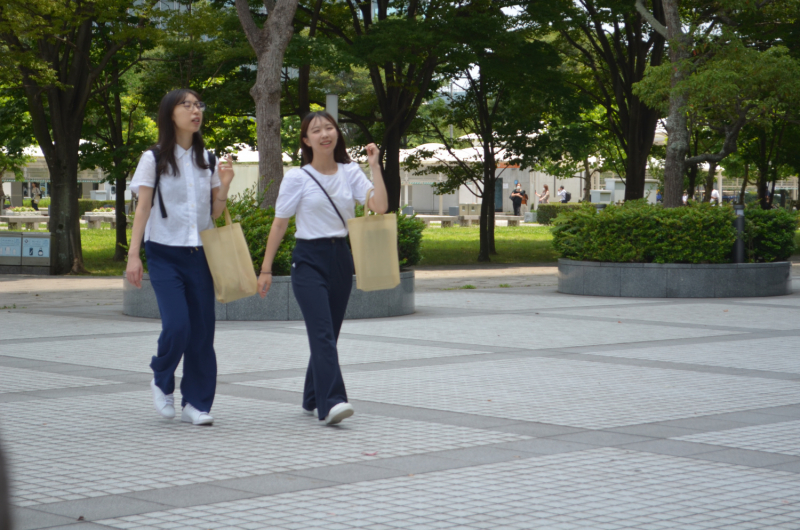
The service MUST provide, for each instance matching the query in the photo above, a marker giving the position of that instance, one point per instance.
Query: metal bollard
(738, 223)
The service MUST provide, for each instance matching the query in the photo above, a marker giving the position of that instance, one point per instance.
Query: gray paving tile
(601, 438)
(102, 507)
(702, 424)
(482, 455)
(348, 473)
(274, 483)
(190, 495)
(745, 457)
(750, 417)
(789, 467)
(419, 463)
(538, 430)
(27, 519)
(545, 446)
(654, 430)
(80, 526)
(791, 411)
(672, 447)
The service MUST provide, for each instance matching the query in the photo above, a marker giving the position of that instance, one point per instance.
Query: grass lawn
(459, 245)
(98, 249)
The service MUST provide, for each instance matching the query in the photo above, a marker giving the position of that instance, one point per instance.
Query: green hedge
(769, 234)
(547, 212)
(257, 222)
(638, 232)
(87, 205)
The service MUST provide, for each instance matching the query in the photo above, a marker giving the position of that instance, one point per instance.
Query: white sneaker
(338, 413)
(165, 405)
(312, 412)
(195, 417)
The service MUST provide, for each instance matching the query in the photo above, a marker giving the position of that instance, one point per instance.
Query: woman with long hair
(181, 176)
(544, 198)
(321, 195)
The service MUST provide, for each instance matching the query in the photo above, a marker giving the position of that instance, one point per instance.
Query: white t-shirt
(715, 195)
(187, 199)
(562, 194)
(315, 218)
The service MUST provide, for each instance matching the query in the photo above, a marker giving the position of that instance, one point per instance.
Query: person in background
(517, 196)
(544, 198)
(685, 197)
(715, 197)
(562, 194)
(36, 195)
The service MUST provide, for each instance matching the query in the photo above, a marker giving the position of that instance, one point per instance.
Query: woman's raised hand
(225, 171)
(373, 154)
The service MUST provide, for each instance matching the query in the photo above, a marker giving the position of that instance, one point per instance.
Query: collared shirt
(187, 199)
(315, 218)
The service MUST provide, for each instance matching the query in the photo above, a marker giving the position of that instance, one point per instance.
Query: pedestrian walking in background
(517, 196)
(321, 195)
(190, 189)
(562, 195)
(36, 195)
(544, 198)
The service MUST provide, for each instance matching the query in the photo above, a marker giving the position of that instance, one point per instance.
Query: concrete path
(495, 408)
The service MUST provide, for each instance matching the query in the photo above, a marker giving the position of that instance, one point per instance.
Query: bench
(31, 222)
(94, 221)
(469, 220)
(446, 220)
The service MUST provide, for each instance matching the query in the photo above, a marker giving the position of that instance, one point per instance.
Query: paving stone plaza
(494, 408)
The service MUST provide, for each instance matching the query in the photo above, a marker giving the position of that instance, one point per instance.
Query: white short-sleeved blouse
(187, 199)
(300, 196)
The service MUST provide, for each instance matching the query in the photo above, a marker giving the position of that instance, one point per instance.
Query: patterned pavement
(489, 409)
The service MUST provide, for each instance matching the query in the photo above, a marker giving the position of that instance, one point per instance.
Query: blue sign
(10, 246)
(36, 247)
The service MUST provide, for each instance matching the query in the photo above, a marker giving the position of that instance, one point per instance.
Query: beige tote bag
(229, 260)
(373, 239)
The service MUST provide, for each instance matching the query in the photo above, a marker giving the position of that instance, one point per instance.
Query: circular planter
(280, 304)
(674, 280)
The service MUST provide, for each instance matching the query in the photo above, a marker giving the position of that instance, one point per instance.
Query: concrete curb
(674, 280)
(280, 303)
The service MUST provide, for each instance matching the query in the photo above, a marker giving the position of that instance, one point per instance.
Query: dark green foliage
(256, 223)
(547, 212)
(769, 234)
(409, 238)
(638, 232)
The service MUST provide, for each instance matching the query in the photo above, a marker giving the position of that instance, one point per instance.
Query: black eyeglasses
(198, 104)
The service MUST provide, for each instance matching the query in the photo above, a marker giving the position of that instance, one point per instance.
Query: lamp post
(332, 106)
(738, 222)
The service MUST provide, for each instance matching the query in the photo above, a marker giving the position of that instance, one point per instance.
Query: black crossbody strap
(328, 196)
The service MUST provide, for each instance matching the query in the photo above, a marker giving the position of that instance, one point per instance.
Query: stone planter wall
(280, 303)
(674, 280)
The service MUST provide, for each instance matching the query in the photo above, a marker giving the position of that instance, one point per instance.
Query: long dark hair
(166, 133)
(339, 152)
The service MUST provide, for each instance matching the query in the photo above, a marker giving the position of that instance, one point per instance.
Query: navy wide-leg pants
(185, 293)
(322, 276)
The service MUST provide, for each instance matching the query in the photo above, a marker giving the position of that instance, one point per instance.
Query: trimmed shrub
(409, 239)
(547, 212)
(638, 232)
(88, 205)
(769, 234)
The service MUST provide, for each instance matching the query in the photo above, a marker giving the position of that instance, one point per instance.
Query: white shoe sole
(207, 420)
(309, 412)
(335, 416)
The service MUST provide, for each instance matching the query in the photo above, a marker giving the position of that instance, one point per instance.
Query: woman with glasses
(181, 176)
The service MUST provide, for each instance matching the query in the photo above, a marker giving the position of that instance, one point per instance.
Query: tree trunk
(744, 184)
(120, 252)
(692, 180)
(392, 140)
(64, 224)
(267, 95)
(487, 216)
(269, 43)
(587, 182)
(677, 120)
(640, 137)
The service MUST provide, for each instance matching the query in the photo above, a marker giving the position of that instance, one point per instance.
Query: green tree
(52, 51)
(15, 135)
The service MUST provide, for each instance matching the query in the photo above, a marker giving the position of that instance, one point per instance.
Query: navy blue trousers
(185, 293)
(322, 276)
